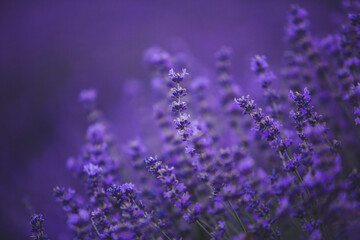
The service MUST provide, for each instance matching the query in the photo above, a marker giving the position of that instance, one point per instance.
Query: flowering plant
(230, 168)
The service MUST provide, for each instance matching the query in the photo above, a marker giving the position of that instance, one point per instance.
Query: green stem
(165, 235)
(237, 216)
(93, 223)
(202, 226)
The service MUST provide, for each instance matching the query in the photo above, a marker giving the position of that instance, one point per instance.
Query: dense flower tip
(259, 64)
(304, 113)
(357, 115)
(298, 12)
(37, 221)
(219, 231)
(193, 214)
(296, 30)
(300, 98)
(88, 95)
(247, 104)
(135, 147)
(178, 106)
(153, 165)
(62, 194)
(224, 53)
(37, 227)
(177, 77)
(184, 126)
(354, 18)
(92, 169)
(157, 57)
(96, 132)
(123, 193)
(292, 165)
(331, 44)
(178, 92)
(200, 83)
(352, 63)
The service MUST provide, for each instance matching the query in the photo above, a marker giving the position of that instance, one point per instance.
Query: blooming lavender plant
(202, 184)
(37, 227)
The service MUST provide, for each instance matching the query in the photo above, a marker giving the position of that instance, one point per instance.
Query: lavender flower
(260, 66)
(174, 190)
(213, 171)
(183, 124)
(37, 227)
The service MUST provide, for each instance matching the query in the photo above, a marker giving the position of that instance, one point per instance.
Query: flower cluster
(37, 227)
(260, 67)
(183, 123)
(290, 176)
(174, 190)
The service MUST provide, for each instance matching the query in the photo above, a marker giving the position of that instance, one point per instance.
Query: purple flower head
(153, 165)
(88, 98)
(304, 113)
(352, 63)
(123, 193)
(88, 95)
(259, 64)
(246, 166)
(200, 83)
(158, 58)
(96, 133)
(266, 79)
(37, 227)
(357, 115)
(177, 77)
(78, 219)
(331, 44)
(66, 198)
(101, 223)
(135, 148)
(219, 231)
(183, 201)
(354, 18)
(178, 92)
(178, 106)
(248, 105)
(297, 24)
(92, 170)
(224, 53)
(292, 165)
(193, 214)
(298, 13)
(183, 123)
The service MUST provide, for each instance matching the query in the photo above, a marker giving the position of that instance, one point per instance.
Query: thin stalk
(156, 226)
(237, 216)
(232, 227)
(93, 223)
(202, 226)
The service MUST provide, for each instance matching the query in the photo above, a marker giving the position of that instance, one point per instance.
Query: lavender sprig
(37, 227)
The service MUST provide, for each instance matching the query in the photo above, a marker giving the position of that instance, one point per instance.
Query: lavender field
(236, 120)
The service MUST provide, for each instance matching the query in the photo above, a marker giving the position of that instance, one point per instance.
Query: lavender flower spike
(183, 124)
(177, 77)
(37, 227)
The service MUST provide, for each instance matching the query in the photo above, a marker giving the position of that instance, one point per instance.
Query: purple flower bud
(92, 170)
(88, 96)
(177, 77)
(37, 227)
(96, 133)
(259, 64)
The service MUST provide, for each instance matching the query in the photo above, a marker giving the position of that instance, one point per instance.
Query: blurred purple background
(50, 50)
